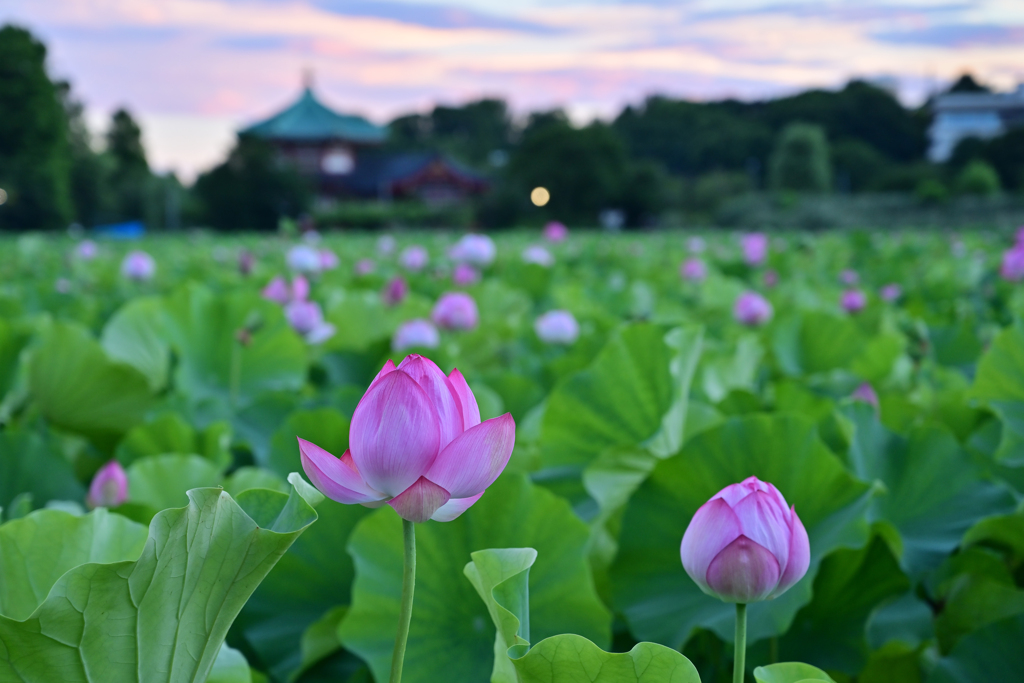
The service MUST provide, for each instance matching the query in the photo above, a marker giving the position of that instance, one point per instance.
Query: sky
(195, 71)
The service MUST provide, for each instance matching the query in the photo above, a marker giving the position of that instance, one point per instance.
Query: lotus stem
(740, 661)
(405, 613)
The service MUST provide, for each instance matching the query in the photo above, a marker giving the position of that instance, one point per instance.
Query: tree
(801, 161)
(130, 179)
(35, 158)
(978, 178)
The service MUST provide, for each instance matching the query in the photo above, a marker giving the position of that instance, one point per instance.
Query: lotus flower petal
(454, 507)
(799, 555)
(764, 522)
(474, 460)
(440, 393)
(470, 409)
(743, 572)
(421, 500)
(336, 478)
(395, 433)
(714, 526)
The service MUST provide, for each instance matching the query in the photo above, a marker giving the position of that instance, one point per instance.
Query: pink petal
(454, 507)
(418, 502)
(764, 523)
(441, 394)
(799, 556)
(388, 368)
(734, 493)
(713, 527)
(475, 458)
(394, 434)
(743, 572)
(470, 409)
(336, 478)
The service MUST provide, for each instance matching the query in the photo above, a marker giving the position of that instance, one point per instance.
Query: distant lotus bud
(300, 288)
(694, 270)
(853, 301)
(455, 311)
(365, 267)
(538, 255)
(770, 278)
(138, 266)
(849, 277)
(386, 245)
(303, 258)
(1012, 268)
(696, 245)
(755, 248)
(464, 275)
(416, 334)
(395, 292)
(414, 258)
(307, 319)
(246, 261)
(865, 393)
(745, 544)
(328, 259)
(891, 292)
(477, 250)
(555, 232)
(109, 488)
(752, 309)
(557, 327)
(86, 250)
(277, 290)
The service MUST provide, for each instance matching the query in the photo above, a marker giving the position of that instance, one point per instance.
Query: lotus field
(532, 457)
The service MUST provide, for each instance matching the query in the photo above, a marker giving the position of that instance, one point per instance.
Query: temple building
(982, 115)
(343, 156)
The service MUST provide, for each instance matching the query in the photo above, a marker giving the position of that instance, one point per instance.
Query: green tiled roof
(309, 119)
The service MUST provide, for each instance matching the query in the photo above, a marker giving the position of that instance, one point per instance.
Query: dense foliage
(892, 421)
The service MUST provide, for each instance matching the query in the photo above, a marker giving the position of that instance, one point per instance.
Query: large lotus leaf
(326, 427)
(992, 653)
(161, 481)
(29, 465)
(816, 342)
(230, 667)
(658, 599)
(790, 672)
(501, 579)
(78, 388)
(893, 663)
(170, 433)
(231, 347)
(163, 617)
(451, 637)
(1000, 384)
(360, 319)
(135, 336)
(934, 492)
(12, 340)
(722, 373)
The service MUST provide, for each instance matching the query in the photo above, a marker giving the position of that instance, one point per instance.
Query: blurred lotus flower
(386, 245)
(891, 292)
(849, 277)
(246, 261)
(770, 278)
(477, 250)
(307, 319)
(416, 334)
(1020, 235)
(86, 250)
(853, 300)
(752, 309)
(303, 258)
(464, 275)
(755, 248)
(1012, 267)
(109, 487)
(328, 259)
(278, 291)
(138, 266)
(556, 232)
(865, 393)
(455, 311)
(395, 292)
(745, 544)
(694, 270)
(557, 327)
(417, 443)
(538, 255)
(365, 267)
(414, 258)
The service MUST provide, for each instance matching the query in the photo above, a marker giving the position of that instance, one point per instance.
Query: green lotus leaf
(230, 667)
(501, 579)
(162, 481)
(29, 465)
(992, 653)
(657, 598)
(134, 335)
(13, 338)
(790, 672)
(816, 342)
(999, 383)
(170, 433)
(162, 617)
(452, 637)
(326, 427)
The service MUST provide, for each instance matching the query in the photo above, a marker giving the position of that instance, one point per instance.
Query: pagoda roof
(308, 119)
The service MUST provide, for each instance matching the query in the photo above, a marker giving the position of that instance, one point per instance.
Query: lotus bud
(755, 248)
(86, 250)
(1012, 267)
(477, 250)
(365, 267)
(307, 319)
(557, 327)
(538, 255)
(770, 278)
(416, 334)
(752, 309)
(303, 258)
(138, 266)
(395, 292)
(555, 232)
(866, 394)
(455, 311)
(109, 487)
(694, 270)
(853, 301)
(849, 277)
(891, 292)
(464, 275)
(328, 259)
(414, 258)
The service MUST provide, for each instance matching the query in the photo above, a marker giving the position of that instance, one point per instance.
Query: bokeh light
(540, 196)
(3, 196)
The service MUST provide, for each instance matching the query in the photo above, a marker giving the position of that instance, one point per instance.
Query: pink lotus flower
(865, 393)
(745, 544)
(752, 309)
(307, 319)
(853, 301)
(891, 292)
(328, 259)
(416, 334)
(694, 270)
(1012, 267)
(556, 232)
(477, 250)
(849, 277)
(417, 443)
(770, 278)
(696, 245)
(278, 291)
(557, 327)
(395, 292)
(303, 258)
(86, 250)
(246, 262)
(365, 267)
(138, 266)
(755, 248)
(455, 311)
(109, 487)
(414, 258)
(465, 275)
(538, 255)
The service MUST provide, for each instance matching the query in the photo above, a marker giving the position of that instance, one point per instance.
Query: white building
(962, 115)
